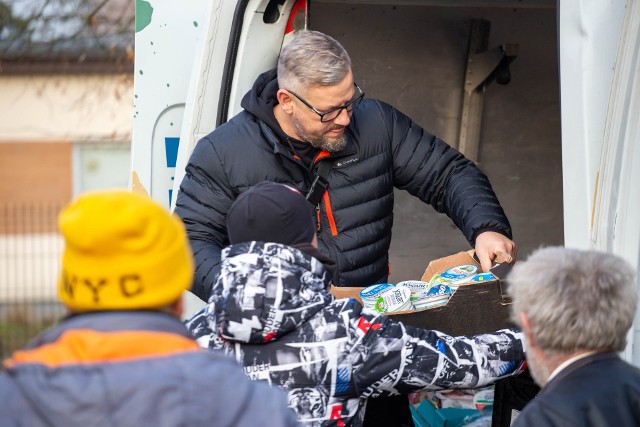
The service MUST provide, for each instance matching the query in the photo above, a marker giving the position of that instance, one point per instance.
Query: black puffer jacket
(385, 149)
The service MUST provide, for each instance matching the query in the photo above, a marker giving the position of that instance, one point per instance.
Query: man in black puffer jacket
(307, 119)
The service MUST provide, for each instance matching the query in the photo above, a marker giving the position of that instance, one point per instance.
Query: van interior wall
(414, 57)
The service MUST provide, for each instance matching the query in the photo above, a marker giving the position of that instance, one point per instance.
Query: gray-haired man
(575, 308)
(308, 125)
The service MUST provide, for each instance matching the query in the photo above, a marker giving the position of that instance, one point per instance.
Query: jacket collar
(280, 147)
(114, 321)
(578, 364)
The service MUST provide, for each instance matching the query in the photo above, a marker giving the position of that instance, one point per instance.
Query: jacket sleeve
(441, 176)
(397, 359)
(202, 203)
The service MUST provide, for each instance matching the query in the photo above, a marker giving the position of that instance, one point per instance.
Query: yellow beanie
(123, 251)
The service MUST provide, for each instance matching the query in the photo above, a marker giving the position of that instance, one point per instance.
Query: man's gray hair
(312, 59)
(574, 299)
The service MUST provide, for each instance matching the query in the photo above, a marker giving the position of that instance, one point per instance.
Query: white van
(195, 61)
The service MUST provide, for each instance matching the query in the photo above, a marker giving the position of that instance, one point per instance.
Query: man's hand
(489, 243)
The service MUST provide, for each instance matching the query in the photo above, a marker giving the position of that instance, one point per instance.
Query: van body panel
(589, 34)
(181, 68)
(165, 48)
(600, 92)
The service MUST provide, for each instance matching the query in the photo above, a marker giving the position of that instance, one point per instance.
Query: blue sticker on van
(171, 151)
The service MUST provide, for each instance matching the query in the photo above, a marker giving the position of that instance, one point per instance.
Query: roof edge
(57, 65)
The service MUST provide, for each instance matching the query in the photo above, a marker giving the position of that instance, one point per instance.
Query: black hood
(261, 99)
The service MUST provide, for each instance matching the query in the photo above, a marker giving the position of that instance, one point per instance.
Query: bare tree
(36, 31)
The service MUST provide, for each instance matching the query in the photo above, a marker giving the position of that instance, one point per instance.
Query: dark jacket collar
(569, 370)
(261, 100)
(108, 321)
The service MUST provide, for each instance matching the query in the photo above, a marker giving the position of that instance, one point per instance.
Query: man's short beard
(537, 369)
(323, 143)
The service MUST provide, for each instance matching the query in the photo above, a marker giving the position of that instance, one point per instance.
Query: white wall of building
(66, 107)
(92, 112)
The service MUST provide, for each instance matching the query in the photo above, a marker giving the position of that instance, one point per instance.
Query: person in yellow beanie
(122, 251)
(122, 356)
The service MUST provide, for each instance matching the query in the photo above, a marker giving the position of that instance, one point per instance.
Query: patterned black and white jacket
(271, 310)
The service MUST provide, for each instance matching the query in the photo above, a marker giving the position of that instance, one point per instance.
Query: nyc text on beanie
(123, 251)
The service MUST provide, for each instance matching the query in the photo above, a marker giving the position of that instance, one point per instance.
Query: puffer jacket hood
(261, 100)
(266, 290)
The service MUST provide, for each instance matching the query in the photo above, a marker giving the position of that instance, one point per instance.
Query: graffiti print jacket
(271, 310)
(130, 369)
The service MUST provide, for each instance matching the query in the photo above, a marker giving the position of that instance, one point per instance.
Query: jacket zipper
(327, 208)
(326, 199)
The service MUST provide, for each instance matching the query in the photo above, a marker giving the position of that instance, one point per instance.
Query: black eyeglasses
(330, 115)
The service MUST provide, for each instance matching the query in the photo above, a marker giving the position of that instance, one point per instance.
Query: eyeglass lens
(332, 115)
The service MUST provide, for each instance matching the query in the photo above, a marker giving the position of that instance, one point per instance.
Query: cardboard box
(471, 310)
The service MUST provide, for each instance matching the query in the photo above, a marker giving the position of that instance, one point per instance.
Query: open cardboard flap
(472, 309)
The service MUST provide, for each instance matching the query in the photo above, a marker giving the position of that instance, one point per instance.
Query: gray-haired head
(574, 299)
(312, 59)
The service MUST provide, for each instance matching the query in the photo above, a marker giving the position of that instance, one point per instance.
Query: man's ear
(526, 328)
(285, 99)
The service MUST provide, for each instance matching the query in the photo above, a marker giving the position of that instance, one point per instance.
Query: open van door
(192, 68)
(600, 93)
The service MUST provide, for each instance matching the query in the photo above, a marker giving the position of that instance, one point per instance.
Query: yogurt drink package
(394, 300)
(455, 275)
(437, 295)
(418, 288)
(460, 272)
(370, 294)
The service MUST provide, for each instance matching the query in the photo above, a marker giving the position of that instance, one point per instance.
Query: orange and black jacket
(385, 150)
(130, 369)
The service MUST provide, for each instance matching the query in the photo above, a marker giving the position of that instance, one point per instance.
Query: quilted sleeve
(441, 176)
(202, 203)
